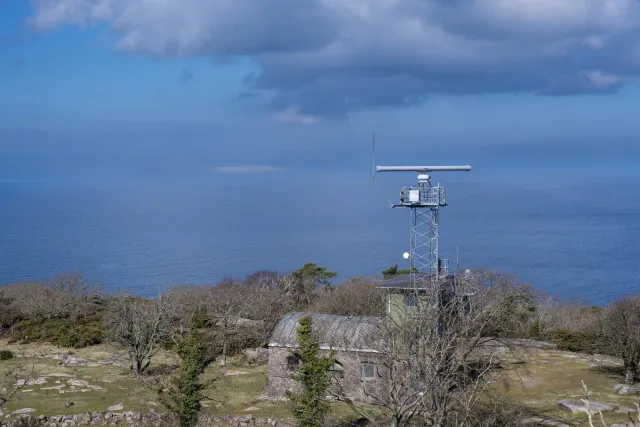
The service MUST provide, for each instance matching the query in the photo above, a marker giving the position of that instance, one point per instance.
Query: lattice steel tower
(424, 200)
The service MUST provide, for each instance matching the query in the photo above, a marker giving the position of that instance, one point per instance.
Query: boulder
(23, 411)
(626, 389)
(578, 406)
(71, 360)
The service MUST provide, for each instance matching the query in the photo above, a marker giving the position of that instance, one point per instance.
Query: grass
(549, 376)
(542, 379)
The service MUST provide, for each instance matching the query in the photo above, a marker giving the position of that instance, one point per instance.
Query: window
(338, 370)
(411, 300)
(367, 370)
(292, 363)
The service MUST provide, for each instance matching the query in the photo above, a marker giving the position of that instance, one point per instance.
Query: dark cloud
(329, 57)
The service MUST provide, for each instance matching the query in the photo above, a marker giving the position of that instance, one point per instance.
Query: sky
(276, 83)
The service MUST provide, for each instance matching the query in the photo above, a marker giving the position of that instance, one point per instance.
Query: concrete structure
(359, 370)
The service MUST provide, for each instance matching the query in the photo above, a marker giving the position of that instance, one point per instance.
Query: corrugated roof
(335, 332)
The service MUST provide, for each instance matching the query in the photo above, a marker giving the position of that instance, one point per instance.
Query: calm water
(575, 234)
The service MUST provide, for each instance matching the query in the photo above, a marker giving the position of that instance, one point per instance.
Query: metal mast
(424, 200)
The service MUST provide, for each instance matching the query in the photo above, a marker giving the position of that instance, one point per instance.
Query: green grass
(543, 378)
(548, 377)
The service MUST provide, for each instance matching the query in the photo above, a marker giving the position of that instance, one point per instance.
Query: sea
(564, 221)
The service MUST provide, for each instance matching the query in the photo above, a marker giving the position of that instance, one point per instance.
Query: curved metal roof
(335, 332)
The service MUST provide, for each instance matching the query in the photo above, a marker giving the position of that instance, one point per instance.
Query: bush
(581, 342)
(60, 332)
(6, 354)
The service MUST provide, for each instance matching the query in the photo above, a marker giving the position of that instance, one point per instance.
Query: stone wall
(348, 377)
(148, 419)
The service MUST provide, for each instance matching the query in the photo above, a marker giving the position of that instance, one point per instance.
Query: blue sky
(306, 78)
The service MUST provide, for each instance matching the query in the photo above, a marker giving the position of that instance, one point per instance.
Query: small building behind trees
(359, 370)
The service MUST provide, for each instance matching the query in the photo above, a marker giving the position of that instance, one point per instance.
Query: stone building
(358, 372)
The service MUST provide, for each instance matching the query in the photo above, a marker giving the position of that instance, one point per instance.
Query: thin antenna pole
(373, 171)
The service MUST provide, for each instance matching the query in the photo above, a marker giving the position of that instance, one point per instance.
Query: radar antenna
(424, 200)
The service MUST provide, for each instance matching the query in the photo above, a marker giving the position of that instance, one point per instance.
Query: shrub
(6, 354)
(60, 332)
(580, 342)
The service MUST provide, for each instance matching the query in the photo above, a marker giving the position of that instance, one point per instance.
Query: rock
(578, 406)
(543, 422)
(57, 387)
(118, 407)
(71, 360)
(252, 408)
(253, 354)
(626, 389)
(109, 362)
(60, 374)
(232, 373)
(68, 404)
(33, 381)
(23, 411)
(78, 383)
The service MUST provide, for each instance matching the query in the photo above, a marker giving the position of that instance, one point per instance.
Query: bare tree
(357, 297)
(227, 304)
(188, 305)
(138, 326)
(268, 297)
(437, 361)
(621, 324)
(66, 296)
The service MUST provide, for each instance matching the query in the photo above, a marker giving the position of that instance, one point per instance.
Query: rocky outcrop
(578, 406)
(146, 419)
(626, 389)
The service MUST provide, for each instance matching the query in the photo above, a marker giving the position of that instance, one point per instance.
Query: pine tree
(310, 405)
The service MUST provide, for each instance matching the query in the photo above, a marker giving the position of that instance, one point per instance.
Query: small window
(337, 369)
(292, 363)
(367, 370)
(411, 300)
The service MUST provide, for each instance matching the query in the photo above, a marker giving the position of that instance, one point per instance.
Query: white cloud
(293, 115)
(314, 54)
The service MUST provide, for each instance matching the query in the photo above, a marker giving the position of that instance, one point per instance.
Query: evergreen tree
(310, 405)
(308, 279)
(186, 391)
